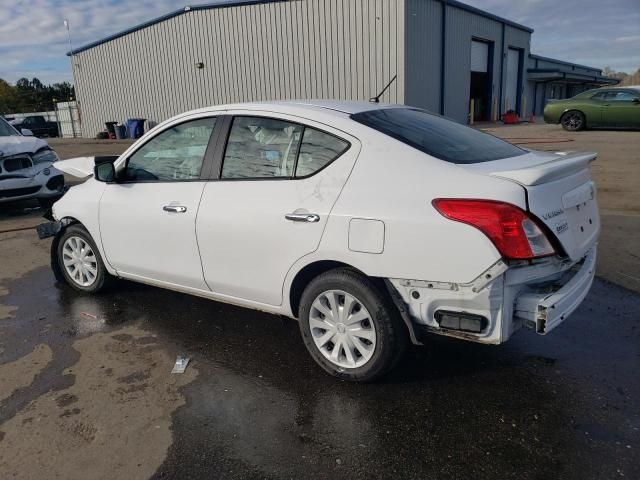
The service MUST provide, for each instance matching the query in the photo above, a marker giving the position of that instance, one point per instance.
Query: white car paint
(233, 243)
(33, 178)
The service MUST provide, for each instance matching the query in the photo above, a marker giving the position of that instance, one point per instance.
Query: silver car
(26, 167)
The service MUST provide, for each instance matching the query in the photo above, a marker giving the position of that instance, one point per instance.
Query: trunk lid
(559, 191)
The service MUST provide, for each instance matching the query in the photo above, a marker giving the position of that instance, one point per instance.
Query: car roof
(345, 106)
(339, 108)
(626, 87)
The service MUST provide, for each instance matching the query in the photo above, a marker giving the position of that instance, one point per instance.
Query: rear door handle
(174, 208)
(303, 217)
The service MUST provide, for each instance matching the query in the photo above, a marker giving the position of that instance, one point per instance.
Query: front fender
(82, 204)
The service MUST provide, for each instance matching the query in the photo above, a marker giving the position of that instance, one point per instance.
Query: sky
(33, 39)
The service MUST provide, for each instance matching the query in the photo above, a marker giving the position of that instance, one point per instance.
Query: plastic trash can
(111, 128)
(121, 132)
(135, 127)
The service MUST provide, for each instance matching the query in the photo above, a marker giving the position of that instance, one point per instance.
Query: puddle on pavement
(260, 407)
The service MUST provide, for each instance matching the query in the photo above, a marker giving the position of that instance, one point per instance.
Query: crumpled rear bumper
(539, 296)
(546, 308)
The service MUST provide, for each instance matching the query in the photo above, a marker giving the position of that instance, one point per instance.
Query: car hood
(14, 144)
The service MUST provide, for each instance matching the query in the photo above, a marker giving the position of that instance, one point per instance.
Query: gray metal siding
(563, 66)
(424, 55)
(519, 39)
(423, 46)
(345, 49)
(461, 27)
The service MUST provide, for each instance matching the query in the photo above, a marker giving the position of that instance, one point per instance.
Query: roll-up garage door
(511, 87)
(479, 56)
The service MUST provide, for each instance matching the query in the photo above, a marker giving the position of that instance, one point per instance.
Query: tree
(32, 95)
(9, 100)
(625, 78)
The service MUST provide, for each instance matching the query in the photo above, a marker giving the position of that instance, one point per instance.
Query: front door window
(174, 155)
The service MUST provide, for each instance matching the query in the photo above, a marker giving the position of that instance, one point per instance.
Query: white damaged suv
(371, 224)
(26, 168)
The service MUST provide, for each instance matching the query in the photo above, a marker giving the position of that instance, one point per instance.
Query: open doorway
(480, 85)
(513, 84)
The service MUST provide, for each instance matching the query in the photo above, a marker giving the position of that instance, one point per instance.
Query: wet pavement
(256, 406)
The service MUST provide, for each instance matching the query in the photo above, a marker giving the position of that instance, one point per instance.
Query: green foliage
(32, 96)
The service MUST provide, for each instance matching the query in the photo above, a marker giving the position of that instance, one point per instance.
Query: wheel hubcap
(79, 261)
(342, 329)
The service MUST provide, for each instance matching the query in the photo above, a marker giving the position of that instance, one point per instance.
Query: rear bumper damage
(505, 297)
(546, 307)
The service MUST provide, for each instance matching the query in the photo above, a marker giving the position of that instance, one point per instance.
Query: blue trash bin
(135, 127)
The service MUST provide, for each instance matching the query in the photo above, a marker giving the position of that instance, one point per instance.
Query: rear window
(437, 136)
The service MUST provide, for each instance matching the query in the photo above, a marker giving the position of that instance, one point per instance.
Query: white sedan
(371, 224)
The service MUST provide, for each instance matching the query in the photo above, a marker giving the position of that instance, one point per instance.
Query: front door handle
(303, 217)
(174, 208)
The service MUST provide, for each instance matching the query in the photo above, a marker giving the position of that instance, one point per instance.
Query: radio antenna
(376, 99)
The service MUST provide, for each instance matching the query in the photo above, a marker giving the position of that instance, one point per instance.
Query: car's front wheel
(80, 262)
(350, 327)
(573, 121)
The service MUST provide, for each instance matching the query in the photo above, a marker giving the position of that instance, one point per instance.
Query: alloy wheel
(79, 261)
(572, 121)
(342, 329)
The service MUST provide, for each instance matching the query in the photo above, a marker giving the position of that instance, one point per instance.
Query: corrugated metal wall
(345, 49)
(424, 55)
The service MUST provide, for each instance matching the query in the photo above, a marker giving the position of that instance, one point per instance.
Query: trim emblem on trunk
(552, 214)
(562, 227)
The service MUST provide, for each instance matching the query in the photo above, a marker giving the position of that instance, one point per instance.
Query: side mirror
(636, 100)
(26, 132)
(104, 172)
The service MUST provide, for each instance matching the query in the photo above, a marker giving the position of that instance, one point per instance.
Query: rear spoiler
(562, 165)
(82, 167)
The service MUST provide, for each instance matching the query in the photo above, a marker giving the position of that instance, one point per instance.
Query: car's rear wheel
(80, 262)
(350, 327)
(573, 121)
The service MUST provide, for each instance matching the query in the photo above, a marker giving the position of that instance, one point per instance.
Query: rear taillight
(514, 233)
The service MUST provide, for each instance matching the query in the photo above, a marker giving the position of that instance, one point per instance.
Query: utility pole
(66, 25)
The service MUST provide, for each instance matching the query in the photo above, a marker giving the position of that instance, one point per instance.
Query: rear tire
(573, 121)
(350, 326)
(79, 261)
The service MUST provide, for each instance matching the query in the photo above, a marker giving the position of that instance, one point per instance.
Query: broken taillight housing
(515, 234)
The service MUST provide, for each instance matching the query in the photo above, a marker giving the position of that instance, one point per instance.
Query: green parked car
(617, 107)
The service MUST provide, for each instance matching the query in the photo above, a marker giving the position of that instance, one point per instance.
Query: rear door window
(260, 147)
(437, 136)
(263, 148)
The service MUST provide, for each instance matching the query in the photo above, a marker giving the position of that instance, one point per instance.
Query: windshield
(437, 136)
(6, 130)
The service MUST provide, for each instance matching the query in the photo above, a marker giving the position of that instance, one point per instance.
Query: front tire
(573, 121)
(79, 261)
(350, 327)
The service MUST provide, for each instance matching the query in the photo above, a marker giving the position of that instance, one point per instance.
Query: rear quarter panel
(395, 184)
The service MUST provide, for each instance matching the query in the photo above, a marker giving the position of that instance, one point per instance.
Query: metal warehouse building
(449, 58)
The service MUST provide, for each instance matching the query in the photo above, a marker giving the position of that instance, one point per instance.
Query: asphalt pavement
(256, 406)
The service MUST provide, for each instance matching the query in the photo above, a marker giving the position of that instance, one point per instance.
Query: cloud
(33, 39)
(34, 42)
(588, 32)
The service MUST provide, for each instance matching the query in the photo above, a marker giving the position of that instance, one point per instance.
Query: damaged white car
(26, 168)
(371, 224)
